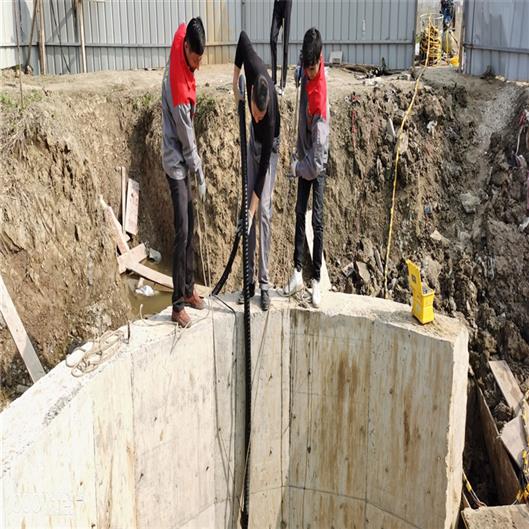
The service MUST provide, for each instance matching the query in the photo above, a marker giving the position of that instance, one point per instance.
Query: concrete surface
(358, 422)
(505, 517)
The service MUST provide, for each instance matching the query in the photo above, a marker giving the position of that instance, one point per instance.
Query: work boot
(181, 317)
(316, 293)
(194, 301)
(240, 301)
(295, 284)
(265, 300)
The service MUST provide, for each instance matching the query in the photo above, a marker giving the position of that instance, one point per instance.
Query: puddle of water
(151, 304)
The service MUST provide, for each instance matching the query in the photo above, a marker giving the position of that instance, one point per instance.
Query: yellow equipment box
(422, 302)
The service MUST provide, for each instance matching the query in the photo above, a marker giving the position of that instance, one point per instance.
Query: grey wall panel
(496, 37)
(129, 34)
(344, 25)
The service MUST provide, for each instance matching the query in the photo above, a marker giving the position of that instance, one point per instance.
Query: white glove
(239, 224)
(202, 190)
(293, 167)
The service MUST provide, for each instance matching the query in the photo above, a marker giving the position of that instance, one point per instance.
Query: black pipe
(227, 270)
(247, 332)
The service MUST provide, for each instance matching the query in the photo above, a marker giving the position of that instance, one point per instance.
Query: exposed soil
(460, 199)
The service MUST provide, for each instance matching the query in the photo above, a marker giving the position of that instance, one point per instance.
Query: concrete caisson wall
(358, 422)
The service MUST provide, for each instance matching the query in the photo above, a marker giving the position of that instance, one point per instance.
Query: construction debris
(470, 202)
(512, 517)
(437, 237)
(154, 255)
(430, 43)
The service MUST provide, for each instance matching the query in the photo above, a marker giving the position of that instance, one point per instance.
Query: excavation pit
(358, 422)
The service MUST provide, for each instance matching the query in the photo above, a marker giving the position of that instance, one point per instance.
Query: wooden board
(513, 438)
(507, 383)
(133, 203)
(159, 278)
(123, 197)
(19, 334)
(116, 230)
(325, 282)
(153, 275)
(504, 517)
(504, 475)
(136, 255)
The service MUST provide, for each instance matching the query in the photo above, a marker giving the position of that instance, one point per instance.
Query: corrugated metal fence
(497, 36)
(129, 34)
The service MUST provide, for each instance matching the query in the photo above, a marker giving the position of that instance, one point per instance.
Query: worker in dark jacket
(262, 155)
(448, 11)
(310, 163)
(181, 162)
(280, 17)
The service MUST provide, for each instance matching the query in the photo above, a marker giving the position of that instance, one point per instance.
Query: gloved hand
(293, 167)
(202, 190)
(240, 225)
(297, 74)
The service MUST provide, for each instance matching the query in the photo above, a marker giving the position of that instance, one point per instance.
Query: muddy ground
(460, 200)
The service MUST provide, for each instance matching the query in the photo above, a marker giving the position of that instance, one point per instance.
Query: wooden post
(123, 197)
(42, 39)
(80, 18)
(18, 27)
(30, 44)
(19, 334)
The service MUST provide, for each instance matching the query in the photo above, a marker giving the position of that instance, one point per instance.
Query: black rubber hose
(245, 515)
(227, 270)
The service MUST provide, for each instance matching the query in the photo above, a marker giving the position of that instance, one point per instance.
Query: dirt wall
(459, 201)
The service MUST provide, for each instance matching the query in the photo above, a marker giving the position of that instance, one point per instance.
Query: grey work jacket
(313, 139)
(179, 146)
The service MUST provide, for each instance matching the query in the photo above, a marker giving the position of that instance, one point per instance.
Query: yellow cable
(392, 211)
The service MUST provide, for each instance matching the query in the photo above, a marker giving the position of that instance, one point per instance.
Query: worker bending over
(310, 163)
(180, 158)
(262, 156)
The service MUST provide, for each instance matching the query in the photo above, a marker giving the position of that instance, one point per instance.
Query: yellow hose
(397, 154)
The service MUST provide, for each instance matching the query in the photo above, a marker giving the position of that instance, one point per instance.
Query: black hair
(311, 49)
(196, 36)
(260, 92)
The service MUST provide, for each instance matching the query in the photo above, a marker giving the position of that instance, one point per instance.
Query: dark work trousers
(280, 17)
(304, 187)
(183, 254)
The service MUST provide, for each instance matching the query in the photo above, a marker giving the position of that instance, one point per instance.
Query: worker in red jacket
(310, 163)
(180, 158)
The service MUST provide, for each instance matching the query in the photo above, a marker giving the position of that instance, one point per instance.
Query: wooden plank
(507, 383)
(504, 517)
(136, 255)
(513, 438)
(325, 282)
(133, 203)
(117, 232)
(504, 475)
(19, 334)
(123, 197)
(152, 275)
(161, 279)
